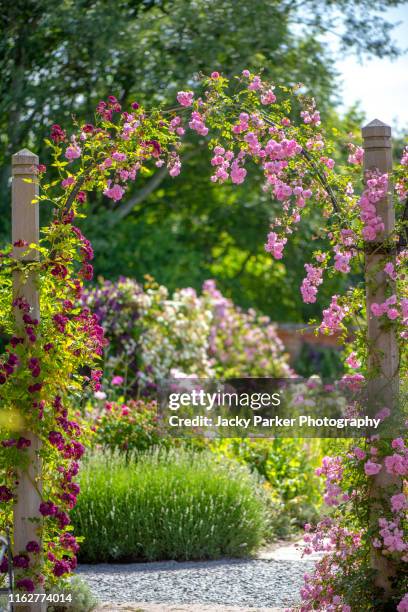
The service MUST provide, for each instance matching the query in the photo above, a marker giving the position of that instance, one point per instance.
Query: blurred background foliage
(58, 59)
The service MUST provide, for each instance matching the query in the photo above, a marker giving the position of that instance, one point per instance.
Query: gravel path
(266, 583)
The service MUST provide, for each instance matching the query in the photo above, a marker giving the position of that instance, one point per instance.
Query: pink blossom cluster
(275, 245)
(333, 316)
(390, 270)
(328, 162)
(176, 126)
(353, 361)
(114, 192)
(342, 259)
(399, 503)
(221, 159)
(238, 172)
(352, 382)
(282, 149)
(242, 125)
(391, 308)
(401, 189)
(117, 168)
(73, 151)
(376, 190)
(397, 463)
(197, 124)
(356, 154)
(313, 279)
(185, 98)
(392, 536)
(315, 143)
(311, 117)
(371, 468)
(332, 469)
(174, 164)
(108, 108)
(338, 544)
(268, 97)
(255, 83)
(348, 237)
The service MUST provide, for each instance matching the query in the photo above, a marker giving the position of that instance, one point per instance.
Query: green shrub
(287, 466)
(135, 427)
(174, 505)
(129, 427)
(82, 598)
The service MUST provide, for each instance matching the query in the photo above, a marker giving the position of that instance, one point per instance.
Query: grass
(174, 505)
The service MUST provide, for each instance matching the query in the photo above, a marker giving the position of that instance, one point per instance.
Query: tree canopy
(59, 59)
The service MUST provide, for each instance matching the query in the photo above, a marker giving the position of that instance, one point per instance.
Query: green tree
(59, 59)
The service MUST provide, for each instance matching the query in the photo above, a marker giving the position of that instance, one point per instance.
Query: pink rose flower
(398, 502)
(114, 193)
(372, 468)
(73, 152)
(185, 98)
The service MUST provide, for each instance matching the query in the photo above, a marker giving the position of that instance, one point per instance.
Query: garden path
(267, 583)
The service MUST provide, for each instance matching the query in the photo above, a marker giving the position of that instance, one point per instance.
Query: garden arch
(30, 509)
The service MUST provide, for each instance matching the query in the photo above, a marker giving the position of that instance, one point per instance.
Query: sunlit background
(380, 86)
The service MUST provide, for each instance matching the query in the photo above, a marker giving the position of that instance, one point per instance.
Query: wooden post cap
(24, 162)
(25, 209)
(376, 134)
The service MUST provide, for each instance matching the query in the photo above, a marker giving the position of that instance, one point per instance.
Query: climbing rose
(33, 547)
(61, 567)
(57, 133)
(372, 468)
(396, 464)
(403, 604)
(309, 285)
(398, 502)
(332, 317)
(268, 98)
(68, 182)
(48, 508)
(56, 439)
(114, 193)
(375, 190)
(21, 561)
(118, 156)
(73, 152)
(275, 245)
(185, 98)
(238, 174)
(5, 494)
(356, 154)
(25, 583)
(352, 361)
(197, 124)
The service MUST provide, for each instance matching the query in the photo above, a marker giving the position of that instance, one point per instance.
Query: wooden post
(25, 226)
(383, 347)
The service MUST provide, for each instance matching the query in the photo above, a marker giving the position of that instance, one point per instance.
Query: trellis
(383, 343)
